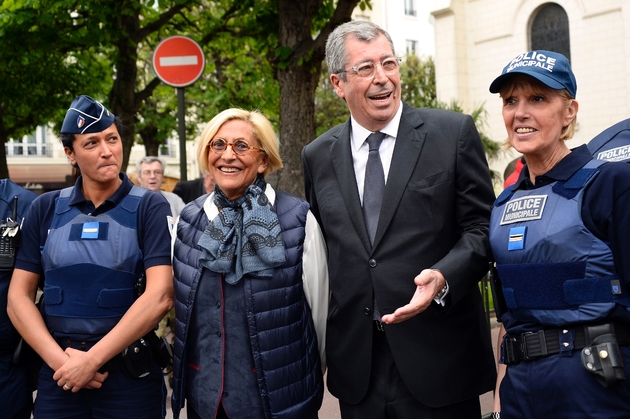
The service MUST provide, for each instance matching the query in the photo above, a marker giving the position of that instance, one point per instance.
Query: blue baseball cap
(86, 116)
(550, 68)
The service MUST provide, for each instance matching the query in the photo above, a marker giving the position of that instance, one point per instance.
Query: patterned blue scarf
(245, 238)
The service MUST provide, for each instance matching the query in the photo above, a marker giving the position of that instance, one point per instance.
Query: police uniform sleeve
(154, 230)
(35, 227)
(605, 212)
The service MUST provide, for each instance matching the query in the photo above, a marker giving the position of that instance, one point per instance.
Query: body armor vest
(91, 265)
(553, 269)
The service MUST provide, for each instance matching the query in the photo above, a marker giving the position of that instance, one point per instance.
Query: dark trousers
(120, 397)
(191, 414)
(389, 398)
(560, 387)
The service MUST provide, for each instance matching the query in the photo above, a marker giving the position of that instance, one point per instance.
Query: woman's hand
(79, 371)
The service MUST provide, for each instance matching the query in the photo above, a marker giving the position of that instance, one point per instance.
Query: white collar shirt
(360, 148)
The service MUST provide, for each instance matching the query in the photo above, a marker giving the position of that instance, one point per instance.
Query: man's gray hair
(336, 52)
(149, 160)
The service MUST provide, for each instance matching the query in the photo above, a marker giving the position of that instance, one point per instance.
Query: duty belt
(532, 345)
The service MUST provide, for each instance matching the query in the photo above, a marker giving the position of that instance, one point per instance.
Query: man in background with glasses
(151, 176)
(403, 197)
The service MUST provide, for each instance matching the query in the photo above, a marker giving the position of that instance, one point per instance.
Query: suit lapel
(341, 156)
(409, 142)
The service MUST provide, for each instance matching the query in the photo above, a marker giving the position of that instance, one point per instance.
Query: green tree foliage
(330, 109)
(303, 27)
(418, 82)
(39, 68)
(103, 48)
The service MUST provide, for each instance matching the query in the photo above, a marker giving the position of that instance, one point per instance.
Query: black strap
(532, 345)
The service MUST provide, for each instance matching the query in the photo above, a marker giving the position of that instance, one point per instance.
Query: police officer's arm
(29, 323)
(142, 317)
(501, 369)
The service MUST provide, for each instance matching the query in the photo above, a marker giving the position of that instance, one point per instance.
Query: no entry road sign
(178, 61)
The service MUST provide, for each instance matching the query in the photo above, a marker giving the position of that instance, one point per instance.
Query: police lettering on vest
(524, 209)
(615, 154)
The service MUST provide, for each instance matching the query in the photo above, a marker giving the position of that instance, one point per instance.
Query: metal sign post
(179, 62)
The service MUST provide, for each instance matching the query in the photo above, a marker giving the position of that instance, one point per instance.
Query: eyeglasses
(240, 147)
(368, 70)
(150, 172)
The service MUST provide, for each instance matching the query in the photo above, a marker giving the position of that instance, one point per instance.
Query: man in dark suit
(406, 332)
(189, 190)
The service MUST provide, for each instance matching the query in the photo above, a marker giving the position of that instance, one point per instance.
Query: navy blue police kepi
(86, 116)
(550, 68)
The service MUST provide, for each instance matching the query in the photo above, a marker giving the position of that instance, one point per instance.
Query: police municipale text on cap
(550, 68)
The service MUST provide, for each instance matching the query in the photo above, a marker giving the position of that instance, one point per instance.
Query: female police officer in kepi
(251, 285)
(96, 239)
(560, 240)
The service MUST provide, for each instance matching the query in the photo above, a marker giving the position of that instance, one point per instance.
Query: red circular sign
(178, 61)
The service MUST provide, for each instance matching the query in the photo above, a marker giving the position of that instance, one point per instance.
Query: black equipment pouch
(603, 358)
(162, 349)
(10, 236)
(136, 359)
(500, 306)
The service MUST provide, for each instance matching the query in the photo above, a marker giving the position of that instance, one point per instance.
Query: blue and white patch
(527, 208)
(516, 240)
(90, 230)
(615, 154)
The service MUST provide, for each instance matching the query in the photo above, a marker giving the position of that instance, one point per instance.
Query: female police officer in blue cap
(559, 238)
(96, 239)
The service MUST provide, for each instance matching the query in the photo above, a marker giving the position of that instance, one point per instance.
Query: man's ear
(338, 84)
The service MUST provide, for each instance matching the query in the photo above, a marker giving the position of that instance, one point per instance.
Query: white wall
(476, 38)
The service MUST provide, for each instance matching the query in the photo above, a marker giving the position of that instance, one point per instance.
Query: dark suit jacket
(435, 214)
(189, 190)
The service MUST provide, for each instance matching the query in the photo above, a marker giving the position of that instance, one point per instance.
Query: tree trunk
(297, 123)
(298, 79)
(4, 168)
(122, 97)
(151, 145)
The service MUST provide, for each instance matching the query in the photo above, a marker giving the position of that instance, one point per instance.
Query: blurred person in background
(17, 398)
(189, 190)
(150, 170)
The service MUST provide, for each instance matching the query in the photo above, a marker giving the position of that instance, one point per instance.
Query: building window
(33, 145)
(550, 30)
(411, 47)
(168, 149)
(410, 9)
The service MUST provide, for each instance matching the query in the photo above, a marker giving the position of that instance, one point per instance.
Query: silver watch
(440, 294)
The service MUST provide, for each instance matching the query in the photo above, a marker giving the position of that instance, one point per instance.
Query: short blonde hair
(529, 84)
(261, 128)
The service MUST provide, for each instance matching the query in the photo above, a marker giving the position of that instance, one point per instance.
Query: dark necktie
(374, 185)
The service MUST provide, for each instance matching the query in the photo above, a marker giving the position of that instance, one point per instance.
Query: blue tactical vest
(279, 323)
(91, 265)
(553, 269)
